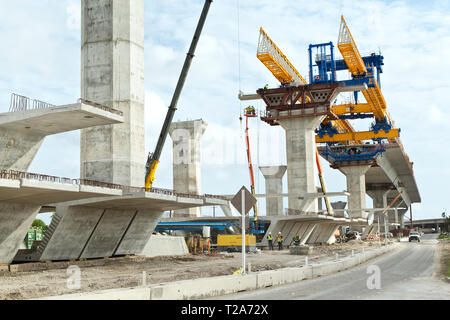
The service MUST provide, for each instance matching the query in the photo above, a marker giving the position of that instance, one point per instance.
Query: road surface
(407, 273)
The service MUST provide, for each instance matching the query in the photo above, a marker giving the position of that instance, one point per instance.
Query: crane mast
(153, 158)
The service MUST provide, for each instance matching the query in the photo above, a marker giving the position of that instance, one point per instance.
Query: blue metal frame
(198, 226)
(363, 156)
(323, 76)
(193, 226)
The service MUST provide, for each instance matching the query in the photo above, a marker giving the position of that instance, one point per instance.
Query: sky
(41, 59)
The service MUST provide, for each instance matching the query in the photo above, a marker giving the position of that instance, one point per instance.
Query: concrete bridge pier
(301, 158)
(274, 185)
(356, 186)
(186, 137)
(112, 74)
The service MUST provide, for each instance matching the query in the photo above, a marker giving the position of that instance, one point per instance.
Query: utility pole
(410, 216)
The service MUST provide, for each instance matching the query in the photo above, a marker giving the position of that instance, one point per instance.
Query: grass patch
(447, 272)
(444, 236)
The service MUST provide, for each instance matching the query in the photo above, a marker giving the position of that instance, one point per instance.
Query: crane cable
(239, 61)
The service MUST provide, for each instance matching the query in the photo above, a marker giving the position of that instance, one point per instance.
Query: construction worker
(270, 240)
(280, 241)
(266, 86)
(296, 240)
(250, 110)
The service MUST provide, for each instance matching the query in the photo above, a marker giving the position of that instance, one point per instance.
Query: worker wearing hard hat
(280, 241)
(270, 240)
(251, 110)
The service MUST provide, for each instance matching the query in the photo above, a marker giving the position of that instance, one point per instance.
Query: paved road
(404, 274)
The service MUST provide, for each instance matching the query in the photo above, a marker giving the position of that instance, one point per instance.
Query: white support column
(186, 137)
(356, 185)
(112, 74)
(274, 185)
(300, 154)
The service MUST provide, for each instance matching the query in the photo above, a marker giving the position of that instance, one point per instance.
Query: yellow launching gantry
(280, 66)
(357, 68)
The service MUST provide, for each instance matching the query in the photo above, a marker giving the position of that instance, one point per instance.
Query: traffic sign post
(243, 232)
(243, 201)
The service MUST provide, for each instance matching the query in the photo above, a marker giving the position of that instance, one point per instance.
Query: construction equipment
(280, 66)
(256, 227)
(232, 243)
(322, 183)
(153, 158)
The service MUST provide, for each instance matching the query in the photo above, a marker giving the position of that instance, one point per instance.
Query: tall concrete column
(186, 137)
(356, 186)
(300, 154)
(379, 198)
(112, 74)
(274, 185)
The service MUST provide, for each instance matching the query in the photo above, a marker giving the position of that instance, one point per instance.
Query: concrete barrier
(223, 285)
(203, 288)
(138, 293)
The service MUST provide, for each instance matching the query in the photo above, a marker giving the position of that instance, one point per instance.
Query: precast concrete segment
(356, 185)
(18, 149)
(31, 191)
(294, 231)
(15, 220)
(326, 233)
(274, 185)
(137, 238)
(300, 154)
(112, 74)
(186, 137)
(309, 230)
(22, 133)
(72, 233)
(165, 246)
(108, 233)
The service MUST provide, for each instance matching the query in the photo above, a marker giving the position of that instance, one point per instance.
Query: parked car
(413, 235)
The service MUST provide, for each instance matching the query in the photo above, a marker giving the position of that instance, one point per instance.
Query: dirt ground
(128, 272)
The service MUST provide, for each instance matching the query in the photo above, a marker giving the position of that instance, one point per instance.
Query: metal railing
(22, 103)
(16, 175)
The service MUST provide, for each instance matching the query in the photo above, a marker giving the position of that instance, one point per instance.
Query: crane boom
(250, 163)
(153, 158)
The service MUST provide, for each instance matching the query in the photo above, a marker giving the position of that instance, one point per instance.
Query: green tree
(446, 221)
(40, 223)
